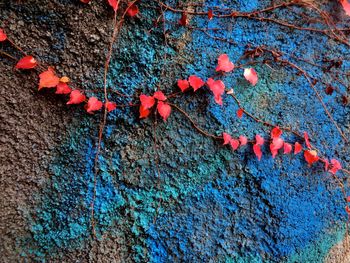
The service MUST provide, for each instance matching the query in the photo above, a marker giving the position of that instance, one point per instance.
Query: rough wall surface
(187, 199)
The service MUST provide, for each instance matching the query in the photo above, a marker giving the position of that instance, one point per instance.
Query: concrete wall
(204, 203)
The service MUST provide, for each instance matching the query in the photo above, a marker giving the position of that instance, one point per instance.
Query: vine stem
(287, 129)
(337, 180)
(254, 15)
(319, 97)
(7, 55)
(265, 123)
(104, 119)
(277, 58)
(116, 29)
(332, 32)
(194, 123)
(155, 149)
(16, 46)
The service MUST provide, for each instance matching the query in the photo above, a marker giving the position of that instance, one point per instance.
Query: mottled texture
(165, 193)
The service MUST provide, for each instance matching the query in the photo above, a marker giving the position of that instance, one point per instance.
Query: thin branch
(194, 123)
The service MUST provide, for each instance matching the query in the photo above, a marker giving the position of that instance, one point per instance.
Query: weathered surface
(201, 202)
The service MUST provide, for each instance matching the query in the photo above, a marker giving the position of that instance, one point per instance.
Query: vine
(159, 102)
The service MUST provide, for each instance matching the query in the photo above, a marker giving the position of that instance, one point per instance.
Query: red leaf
(85, 1)
(274, 151)
(114, 4)
(76, 97)
(227, 138)
(257, 151)
(287, 148)
(240, 113)
(195, 82)
(164, 110)
(218, 88)
(159, 96)
(133, 10)
(234, 144)
(297, 148)
(329, 90)
(259, 140)
(48, 79)
(224, 63)
(210, 14)
(307, 142)
(3, 36)
(346, 6)
(345, 100)
(111, 106)
(93, 105)
(276, 133)
(311, 156)
(183, 84)
(183, 20)
(28, 62)
(243, 140)
(144, 112)
(251, 75)
(147, 101)
(335, 166)
(276, 144)
(347, 209)
(63, 88)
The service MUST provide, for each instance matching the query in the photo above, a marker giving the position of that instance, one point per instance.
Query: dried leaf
(210, 14)
(183, 20)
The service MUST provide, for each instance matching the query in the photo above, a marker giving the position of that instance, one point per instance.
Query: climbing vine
(160, 101)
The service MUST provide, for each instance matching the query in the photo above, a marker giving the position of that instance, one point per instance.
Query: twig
(194, 123)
